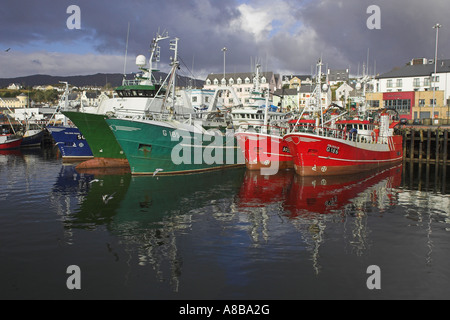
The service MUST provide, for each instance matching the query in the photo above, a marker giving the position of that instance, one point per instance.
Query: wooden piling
(428, 145)
(445, 154)
(420, 146)
(437, 147)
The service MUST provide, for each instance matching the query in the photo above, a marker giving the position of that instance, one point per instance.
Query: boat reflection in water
(324, 195)
(148, 213)
(311, 203)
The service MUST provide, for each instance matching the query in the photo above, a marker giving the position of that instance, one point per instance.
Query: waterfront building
(6, 104)
(243, 84)
(338, 75)
(415, 88)
(294, 81)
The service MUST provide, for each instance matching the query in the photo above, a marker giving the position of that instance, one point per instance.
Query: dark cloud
(287, 35)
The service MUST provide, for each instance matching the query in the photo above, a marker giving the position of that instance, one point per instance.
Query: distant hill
(99, 79)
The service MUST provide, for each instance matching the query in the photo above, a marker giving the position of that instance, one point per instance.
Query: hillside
(99, 79)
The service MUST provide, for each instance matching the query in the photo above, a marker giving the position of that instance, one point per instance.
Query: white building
(243, 84)
(14, 86)
(417, 75)
(198, 99)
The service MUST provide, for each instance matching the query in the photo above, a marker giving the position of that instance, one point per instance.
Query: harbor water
(223, 235)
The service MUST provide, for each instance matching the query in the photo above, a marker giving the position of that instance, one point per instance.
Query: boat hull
(32, 138)
(8, 142)
(263, 151)
(160, 147)
(70, 143)
(106, 151)
(316, 155)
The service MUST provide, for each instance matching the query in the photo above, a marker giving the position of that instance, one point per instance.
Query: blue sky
(288, 36)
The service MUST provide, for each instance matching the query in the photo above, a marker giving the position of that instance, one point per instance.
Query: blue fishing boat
(70, 142)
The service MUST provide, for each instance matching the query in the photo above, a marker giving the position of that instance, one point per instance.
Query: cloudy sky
(285, 36)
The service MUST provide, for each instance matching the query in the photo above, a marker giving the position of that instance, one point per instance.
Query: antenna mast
(126, 53)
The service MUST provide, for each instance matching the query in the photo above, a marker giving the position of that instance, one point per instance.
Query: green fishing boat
(170, 142)
(170, 146)
(132, 99)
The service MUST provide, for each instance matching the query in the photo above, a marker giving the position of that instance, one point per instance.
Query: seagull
(106, 197)
(156, 171)
(7, 49)
(95, 180)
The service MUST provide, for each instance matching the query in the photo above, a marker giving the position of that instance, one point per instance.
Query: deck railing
(342, 134)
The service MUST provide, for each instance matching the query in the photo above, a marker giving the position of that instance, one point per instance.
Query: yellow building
(21, 101)
(421, 105)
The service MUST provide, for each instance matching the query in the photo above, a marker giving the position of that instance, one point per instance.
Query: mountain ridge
(98, 80)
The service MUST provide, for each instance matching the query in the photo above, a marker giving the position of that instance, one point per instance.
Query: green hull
(155, 147)
(98, 134)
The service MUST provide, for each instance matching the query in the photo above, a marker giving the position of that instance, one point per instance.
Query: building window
(399, 82)
(231, 81)
(421, 102)
(402, 106)
(416, 82)
(435, 78)
(426, 82)
(389, 84)
(208, 82)
(247, 80)
(239, 81)
(216, 82)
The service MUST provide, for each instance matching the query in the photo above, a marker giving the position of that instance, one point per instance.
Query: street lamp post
(436, 26)
(224, 51)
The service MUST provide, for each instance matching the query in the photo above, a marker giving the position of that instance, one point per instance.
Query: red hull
(263, 151)
(10, 144)
(316, 155)
(104, 163)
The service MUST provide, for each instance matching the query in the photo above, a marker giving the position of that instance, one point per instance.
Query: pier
(426, 144)
(425, 157)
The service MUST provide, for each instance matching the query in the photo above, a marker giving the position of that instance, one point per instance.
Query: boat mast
(171, 84)
(175, 63)
(154, 55)
(319, 88)
(126, 54)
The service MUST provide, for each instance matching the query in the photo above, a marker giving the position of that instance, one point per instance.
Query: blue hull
(34, 140)
(70, 142)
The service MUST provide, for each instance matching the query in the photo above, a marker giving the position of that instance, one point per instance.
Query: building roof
(237, 75)
(301, 77)
(286, 92)
(443, 66)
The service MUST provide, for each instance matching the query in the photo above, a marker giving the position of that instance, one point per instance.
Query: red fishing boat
(10, 141)
(345, 147)
(265, 150)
